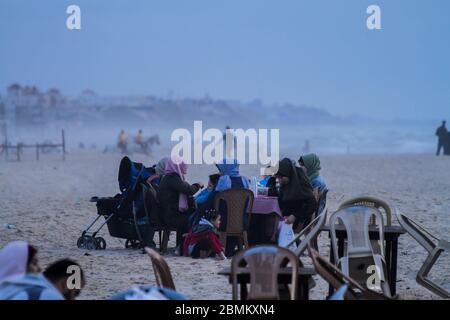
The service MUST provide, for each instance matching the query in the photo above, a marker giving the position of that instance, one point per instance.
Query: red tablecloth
(265, 205)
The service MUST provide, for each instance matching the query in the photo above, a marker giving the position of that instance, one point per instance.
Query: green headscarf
(312, 165)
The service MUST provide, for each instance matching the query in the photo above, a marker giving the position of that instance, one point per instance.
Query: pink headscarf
(13, 259)
(177, 165)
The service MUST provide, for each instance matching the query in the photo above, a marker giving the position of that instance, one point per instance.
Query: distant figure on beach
(122, 141)
(139, 138)
(306, 147)
(229, 141)
(442, 134)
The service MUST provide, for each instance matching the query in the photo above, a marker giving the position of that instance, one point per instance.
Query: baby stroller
(124, 212)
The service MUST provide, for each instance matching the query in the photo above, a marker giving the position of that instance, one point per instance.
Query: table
(391, 235)
(284, 277)
(266, 205)
(264, 218)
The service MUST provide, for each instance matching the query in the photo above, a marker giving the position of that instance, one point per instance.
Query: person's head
(213, 179)
(67, 277)
(122, 131)
(214, 217)
(177, 165)
(311, 162)
(140, 131)
(33, 261)
(269, 171)
(18, 258)
(444, 122)
(285, 168)
(160, 167)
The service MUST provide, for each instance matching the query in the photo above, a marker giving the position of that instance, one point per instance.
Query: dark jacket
(297, 197)
(170, 187)
(299, 187)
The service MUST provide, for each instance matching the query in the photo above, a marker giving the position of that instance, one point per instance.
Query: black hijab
(299, 187)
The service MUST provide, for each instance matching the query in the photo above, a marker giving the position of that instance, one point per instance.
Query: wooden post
(37, 151)
(18, 152)
(63, 144)
(6, 142)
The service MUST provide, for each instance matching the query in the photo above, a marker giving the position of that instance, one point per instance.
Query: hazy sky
(314, 52)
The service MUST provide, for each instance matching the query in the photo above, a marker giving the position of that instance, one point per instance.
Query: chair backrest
(161, 269)
(356, 220)
(419, 233)
(263, 263)
(151, 206)
(237, 202)
(337, 279)
(373, 202)
(310, 232)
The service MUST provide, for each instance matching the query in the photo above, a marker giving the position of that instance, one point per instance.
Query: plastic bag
(286, 235)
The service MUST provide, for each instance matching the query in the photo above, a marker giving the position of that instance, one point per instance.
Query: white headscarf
(13, 259)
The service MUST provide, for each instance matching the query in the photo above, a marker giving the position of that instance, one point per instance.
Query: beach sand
(47, 201)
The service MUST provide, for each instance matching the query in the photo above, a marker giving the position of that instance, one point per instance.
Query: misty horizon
(317, 54)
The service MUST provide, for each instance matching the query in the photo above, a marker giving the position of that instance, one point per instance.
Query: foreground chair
(151, 210)
(360, 255)
(263, 263)
(161, 269)
(237, 202)
(310, 233)
(347, 288)
(372, 202)
(433, 245)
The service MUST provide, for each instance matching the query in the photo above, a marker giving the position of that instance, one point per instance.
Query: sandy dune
(48, 203)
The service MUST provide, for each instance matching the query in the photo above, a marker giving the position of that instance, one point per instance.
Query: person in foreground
(203, 241)
(297, 201)
(21, 277)
(18, 258)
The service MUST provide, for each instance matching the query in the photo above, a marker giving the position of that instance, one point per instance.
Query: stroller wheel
(90, 243)
(101, 243)
(133, 244)
(80, 242)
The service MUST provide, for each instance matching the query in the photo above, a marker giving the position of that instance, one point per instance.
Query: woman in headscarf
(311, 163)
(173, 196)
(296, 198)
(157, 171)
(16, 259)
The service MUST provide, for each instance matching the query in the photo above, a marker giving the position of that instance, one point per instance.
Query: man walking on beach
(442, 134)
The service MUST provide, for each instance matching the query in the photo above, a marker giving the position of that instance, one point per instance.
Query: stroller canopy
(130, 174)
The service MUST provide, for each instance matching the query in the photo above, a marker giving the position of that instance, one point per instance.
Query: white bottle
(254, 186)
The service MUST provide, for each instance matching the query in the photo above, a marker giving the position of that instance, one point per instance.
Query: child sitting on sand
(202, 241)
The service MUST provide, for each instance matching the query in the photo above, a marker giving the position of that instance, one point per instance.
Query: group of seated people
(21, 277)
(297, 184)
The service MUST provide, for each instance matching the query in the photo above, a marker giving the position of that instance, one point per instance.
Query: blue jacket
(32, 286)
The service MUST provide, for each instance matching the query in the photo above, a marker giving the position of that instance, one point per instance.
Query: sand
(47, 201)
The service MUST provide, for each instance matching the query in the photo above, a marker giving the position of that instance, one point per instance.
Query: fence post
(37, 151)
(18, 152)
(63, 144)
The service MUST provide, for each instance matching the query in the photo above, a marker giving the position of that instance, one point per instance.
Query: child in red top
(203, 241)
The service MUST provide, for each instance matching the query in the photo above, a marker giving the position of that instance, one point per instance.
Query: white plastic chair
(360, 255)
(310, 233)
(433, 245)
